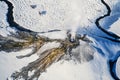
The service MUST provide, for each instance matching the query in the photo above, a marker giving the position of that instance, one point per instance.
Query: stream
(114, 37)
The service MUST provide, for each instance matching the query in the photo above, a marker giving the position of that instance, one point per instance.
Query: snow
(83, 53)
(4, 26)
(5, 31)
(63, 70)
(64, 15)
(69, 70)
(92, 70)
(55, 35)
(112, 22)
(3, 22)
(3, 11)
(9, 63)
(109, 50)
(118, 67)
(48, 46)
(60, 14)
(115, 27)
(112, 3)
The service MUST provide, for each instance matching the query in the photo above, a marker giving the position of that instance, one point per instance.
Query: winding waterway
(13, 24)
(111, 63)
(101, 17)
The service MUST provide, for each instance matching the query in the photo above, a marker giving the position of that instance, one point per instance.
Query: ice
(63, 15)
(60, 14)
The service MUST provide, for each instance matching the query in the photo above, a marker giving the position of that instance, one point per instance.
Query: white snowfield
(60, 14)
(64, 15)
(115, 27)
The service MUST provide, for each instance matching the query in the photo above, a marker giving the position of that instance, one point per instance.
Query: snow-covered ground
(115, 27)
(60, 14)
(9, 63)
(63, 15)
(3, 11)
(69, 70)
(65, 70)
(3, 22)
(118, 67)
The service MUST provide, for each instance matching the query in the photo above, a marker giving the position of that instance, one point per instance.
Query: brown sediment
(31, 39)
(45, 59)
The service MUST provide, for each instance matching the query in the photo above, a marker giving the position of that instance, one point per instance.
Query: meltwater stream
(113, 40)
(101, 17)
(112, 60)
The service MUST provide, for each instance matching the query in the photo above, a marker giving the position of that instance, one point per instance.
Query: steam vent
(59, 40)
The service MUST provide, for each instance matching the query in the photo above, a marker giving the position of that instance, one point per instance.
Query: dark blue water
(111, 62)
(101, 17)
(114, 37)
